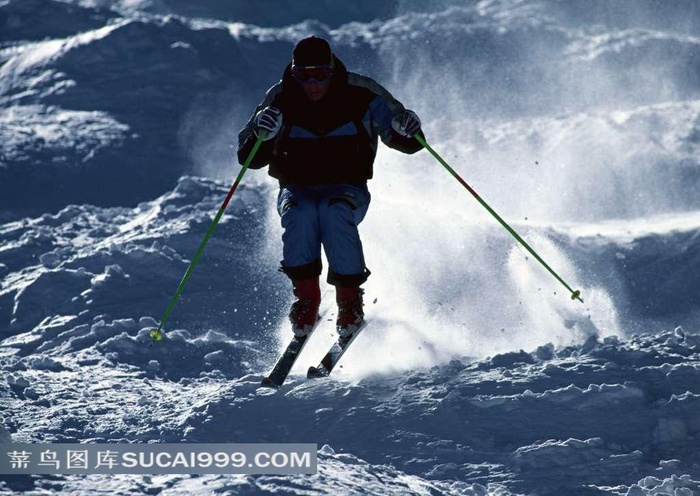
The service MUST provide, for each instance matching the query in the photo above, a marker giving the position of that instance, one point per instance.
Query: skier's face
(314, 79)
(316, 90)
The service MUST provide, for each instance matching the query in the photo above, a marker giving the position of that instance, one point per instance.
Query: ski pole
(575, 295)
(157, 334)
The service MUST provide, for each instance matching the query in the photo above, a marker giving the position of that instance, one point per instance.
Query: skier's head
(312, 51)
(312, 66)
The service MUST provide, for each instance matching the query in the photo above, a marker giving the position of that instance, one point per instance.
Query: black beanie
(312, 51)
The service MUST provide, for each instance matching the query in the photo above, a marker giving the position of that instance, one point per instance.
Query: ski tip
(269, 383)
(316, 373)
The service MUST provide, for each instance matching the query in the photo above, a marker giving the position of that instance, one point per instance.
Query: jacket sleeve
(246, 141)
(382, 110)
(247, 137)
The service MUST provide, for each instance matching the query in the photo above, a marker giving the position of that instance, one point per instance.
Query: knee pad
(286, 205)
(348, 200)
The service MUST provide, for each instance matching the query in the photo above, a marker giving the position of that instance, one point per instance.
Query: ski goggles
(317, 73)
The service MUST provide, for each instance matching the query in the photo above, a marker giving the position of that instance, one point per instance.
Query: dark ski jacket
(330, 141)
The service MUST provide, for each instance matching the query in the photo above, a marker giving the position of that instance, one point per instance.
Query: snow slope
(577, 121)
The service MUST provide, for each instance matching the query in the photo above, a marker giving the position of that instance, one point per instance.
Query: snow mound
(72, 278)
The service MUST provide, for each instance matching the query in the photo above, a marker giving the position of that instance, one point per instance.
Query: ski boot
(351, 317)
(304, 312)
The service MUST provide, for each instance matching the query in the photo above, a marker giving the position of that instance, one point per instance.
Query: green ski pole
(157, 334)
(575, 295)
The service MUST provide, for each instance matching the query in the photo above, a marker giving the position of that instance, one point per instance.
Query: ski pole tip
(576, 295)
(156, 335)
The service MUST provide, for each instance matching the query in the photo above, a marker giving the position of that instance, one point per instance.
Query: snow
(578, 122)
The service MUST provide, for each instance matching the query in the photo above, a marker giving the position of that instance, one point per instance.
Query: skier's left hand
(406, 124)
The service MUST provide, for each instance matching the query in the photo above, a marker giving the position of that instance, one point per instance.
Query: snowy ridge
(83, 256)
(182, 72)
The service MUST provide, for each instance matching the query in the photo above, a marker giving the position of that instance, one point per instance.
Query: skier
(321, 125)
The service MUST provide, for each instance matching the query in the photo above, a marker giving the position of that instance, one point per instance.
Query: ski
(286, 361)
(335, 353)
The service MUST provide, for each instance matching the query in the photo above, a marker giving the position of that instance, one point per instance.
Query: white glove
(406, 124)
(268, 120)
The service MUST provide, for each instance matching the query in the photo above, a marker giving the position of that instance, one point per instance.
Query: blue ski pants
(323, 215)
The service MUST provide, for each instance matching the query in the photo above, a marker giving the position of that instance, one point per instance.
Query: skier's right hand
(269, 121)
